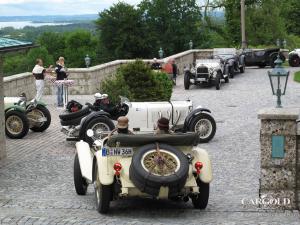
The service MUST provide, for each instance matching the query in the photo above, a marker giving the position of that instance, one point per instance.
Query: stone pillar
(278, 172)
(2, 120)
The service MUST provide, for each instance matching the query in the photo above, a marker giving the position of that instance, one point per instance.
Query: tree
(138, 82)
(172, 24)
(122, 33)
(263, 21)
(53, 42)
(290, 12)
(78, 44)
(36, 53)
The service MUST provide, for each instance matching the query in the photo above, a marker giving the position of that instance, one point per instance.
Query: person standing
(155, 65)
(175, 71)
(61, 74)
(39, 74)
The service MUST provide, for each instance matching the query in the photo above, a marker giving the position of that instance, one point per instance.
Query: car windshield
(125, 100)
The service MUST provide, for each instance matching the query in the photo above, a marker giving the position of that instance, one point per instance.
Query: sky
(55, 7)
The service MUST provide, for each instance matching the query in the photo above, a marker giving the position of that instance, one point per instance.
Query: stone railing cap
(279, 113)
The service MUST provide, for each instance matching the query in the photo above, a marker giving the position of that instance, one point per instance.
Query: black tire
(231, 72)
(226, 79)
(73, 122)
(208, 118)
(98, 120)
(200, 200)
(294, 61)
(242, 69)
(150, 183)
(218, 81)
(186, 81)
(103, 193)
(43, 126)
(80, 183)
(70, 116)
(262, 65)
(22, 118)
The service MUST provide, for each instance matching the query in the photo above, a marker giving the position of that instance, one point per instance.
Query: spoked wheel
(103, 193)
(218, 81)
(205, 126)
(16, 124)
(98, 125)
(157, 165)
(200, 200)
(39, 118)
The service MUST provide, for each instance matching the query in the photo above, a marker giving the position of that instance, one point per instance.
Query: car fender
(242, 60)
(193, 114)
(41, 103)
(230, 62)
(85, 121)
(201, 155)
(15, 107)
(105, 168)
(85, 157)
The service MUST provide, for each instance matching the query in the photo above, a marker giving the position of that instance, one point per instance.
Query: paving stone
(36, 180)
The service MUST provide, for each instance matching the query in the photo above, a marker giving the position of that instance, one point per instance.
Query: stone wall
(278, 177)
(87, 80)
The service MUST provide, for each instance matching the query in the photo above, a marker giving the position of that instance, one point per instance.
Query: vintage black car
(232, 60)
(263, 57)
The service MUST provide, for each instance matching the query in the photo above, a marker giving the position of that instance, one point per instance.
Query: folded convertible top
(178, 139)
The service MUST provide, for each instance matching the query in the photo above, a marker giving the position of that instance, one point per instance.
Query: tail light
(198, 167)
(117, 168)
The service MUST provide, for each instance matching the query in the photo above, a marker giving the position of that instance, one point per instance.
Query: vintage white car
(167, 166)
(206, 71)
(143, 117)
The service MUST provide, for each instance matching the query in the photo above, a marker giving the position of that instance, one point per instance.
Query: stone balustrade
(87, 80)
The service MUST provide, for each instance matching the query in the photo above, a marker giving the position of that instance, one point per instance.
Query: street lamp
(161, 53)
(284, 43)
(191, 44)
(87, 60)
(278, 42)
(278, 77)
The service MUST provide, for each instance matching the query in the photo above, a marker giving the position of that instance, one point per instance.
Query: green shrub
(137, 82)
(297, 76)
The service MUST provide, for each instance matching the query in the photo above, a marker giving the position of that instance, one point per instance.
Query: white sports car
(143, 117)
(165, 166)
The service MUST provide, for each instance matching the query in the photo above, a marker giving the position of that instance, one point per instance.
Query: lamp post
(87, 60)
(191, 44)
(243, 26)
(278, 42)
(161, 53)
(284, 43)
(278, 79)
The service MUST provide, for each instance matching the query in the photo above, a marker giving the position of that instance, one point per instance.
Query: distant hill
(50, 18)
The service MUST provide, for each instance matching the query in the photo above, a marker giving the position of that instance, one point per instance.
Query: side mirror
(90, 133)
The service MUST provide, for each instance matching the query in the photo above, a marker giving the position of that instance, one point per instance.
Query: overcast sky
(55, 7)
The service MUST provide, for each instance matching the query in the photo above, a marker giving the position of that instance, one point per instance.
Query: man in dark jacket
(61, 74)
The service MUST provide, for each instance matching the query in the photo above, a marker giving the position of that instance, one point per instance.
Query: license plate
(201, 79)
(117, 152)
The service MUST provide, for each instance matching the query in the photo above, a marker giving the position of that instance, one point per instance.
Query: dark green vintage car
(22, 115)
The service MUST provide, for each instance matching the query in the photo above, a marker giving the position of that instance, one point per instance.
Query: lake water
(22, 24)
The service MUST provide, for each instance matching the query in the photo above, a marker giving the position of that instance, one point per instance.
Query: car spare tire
(159, 165)
(70, 116)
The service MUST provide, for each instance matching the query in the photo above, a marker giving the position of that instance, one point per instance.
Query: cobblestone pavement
(36, 181)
